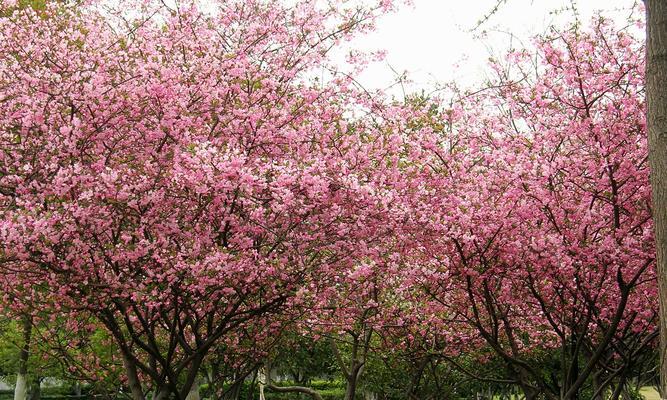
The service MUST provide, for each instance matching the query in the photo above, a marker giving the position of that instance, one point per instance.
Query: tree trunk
(529, 393)
(350, 388)
(598, 391)
(262, 379)
(132, 378)
(416, 378)
(251, 388)
(192, 378)
(234, 392)
(193, 393)
(353, 380)
(21, 388)
(162, 393)
(355, 368)
(265, 379)
(295, 389)
(619, 389)
(656, 122)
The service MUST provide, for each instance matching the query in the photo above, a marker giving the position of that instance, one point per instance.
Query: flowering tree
(351, 305)
(179, 175)
(546, 232)
(175, 173)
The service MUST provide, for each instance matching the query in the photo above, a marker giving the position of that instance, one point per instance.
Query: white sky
(427, 40)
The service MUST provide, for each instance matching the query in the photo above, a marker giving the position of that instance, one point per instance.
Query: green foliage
(37, 5)
(305, 359)
(59, 354)
(331, 393)
(11, 342)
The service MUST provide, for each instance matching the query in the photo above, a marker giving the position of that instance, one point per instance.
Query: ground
(650, 394)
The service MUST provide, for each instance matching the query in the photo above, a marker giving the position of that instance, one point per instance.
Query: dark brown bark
(351, 387)
(656, 109)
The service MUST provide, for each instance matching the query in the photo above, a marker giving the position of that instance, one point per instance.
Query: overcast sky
(427, 40)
